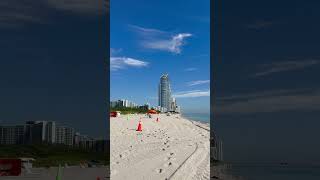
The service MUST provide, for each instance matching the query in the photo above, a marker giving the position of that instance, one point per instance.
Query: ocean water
(274, 171)
(202, 117)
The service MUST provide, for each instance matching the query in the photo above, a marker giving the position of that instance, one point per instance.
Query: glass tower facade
(164, 92)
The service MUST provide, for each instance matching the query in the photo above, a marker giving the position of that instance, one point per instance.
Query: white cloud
(270, 101)
(80, 6)
(161, 40)
(17, 13)
(286, 66)
(145, 31)
(172, 45)
(190, 69)
(192, 94)
(117, 63)
(193, 83)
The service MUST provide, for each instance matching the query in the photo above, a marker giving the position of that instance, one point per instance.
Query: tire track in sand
(183, 163)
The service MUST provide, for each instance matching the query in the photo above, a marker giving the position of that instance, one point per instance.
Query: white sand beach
(173, 148)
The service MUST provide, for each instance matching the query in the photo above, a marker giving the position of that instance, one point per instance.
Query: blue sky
(148, 38)
(52, 64)
(267, 87)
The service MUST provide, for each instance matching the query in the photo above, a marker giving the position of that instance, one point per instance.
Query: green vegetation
(52, 155)
(128, 110)
(214, 162)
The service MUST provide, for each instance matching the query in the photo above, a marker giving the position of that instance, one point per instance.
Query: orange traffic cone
(139, 126)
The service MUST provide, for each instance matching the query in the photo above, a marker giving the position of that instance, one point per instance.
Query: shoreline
(201, 124)
(192, 119)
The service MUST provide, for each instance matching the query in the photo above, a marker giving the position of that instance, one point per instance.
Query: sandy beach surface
(173, 148)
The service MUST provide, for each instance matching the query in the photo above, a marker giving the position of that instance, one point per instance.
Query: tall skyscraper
(164, 92)
(38, 132)
(173, 104)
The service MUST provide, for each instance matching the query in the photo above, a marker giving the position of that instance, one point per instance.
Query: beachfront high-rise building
(177, 110)
(173, 104)
(123, 103)
(38, 132)
(64, 135)
(50, 135)
(12, 134)
(164, 92)
(47, 132)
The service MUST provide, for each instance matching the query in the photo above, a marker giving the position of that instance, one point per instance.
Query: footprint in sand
(163, 149)
(171, 153)
(167, 164)
(120, 155)
(159, 170)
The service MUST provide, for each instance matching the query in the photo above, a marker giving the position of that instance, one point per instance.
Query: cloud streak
(190, 69)
(89, 7)
(117, 63)
(269, 101)
(172, 45)
(278, 67)
(261, 24)
(199, 82)
(161, 40)
(146, 31)
(192, 94)
(17, 13)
